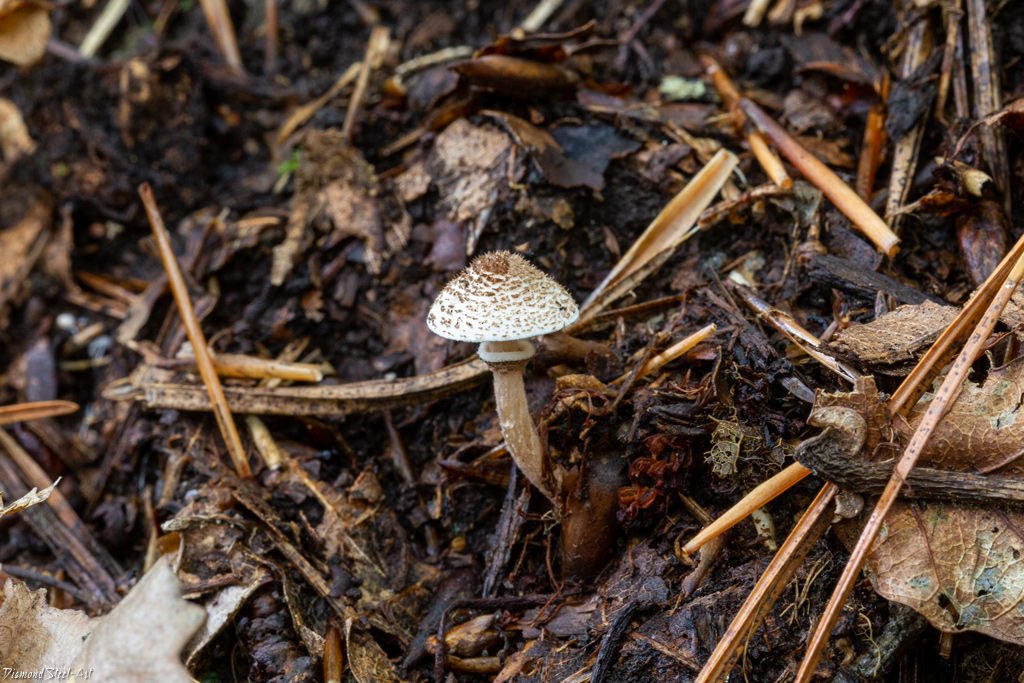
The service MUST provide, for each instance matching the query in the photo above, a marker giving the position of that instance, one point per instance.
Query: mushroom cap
(500, 297)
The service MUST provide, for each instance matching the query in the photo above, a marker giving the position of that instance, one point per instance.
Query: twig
(219, 20)
(944, 397)
(103, 27)
(944, 348)
(671, 353)
(35, 411)
(376, 48)
(58, 524)
(845, 199)
(861, 476)
(771, 163)
(315, 400)
(36, 576)
(771, 584)
(627, 38)
(448, 54)
(872, 147)
(195, 335)
(306, 111)
(784, 323)
(763, 493)
(58, 48)
(251, 367)
(709, 552)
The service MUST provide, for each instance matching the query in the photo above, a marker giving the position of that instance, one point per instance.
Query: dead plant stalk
(376, 48)
(838, 192)
(219, 20)
(769, 161)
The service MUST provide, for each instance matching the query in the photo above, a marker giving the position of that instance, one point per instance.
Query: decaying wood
(60, 527)
(904, 161)
(987, 93)
(836, 272)
(827, 455)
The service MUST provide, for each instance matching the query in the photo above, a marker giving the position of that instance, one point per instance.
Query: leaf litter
(316, 231)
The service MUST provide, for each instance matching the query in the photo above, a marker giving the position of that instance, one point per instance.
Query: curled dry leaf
(138, 641)
(29, 499)
(14, 138)
(24, 29)
(368, 661)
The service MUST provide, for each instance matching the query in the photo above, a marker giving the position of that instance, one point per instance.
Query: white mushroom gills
(502, 300)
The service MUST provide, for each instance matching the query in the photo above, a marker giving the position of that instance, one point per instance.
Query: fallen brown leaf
(14, 138)
(138, 641)
(958, 566)
(983, 430)
(24, 29)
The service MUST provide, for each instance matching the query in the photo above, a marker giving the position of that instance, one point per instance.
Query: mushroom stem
(514, 413)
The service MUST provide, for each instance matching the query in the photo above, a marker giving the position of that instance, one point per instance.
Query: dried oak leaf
(138, 641)
(24, 29)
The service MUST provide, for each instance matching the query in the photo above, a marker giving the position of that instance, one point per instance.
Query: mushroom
(501, 301)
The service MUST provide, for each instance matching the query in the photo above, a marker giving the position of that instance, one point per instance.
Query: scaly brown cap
(500, 297)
